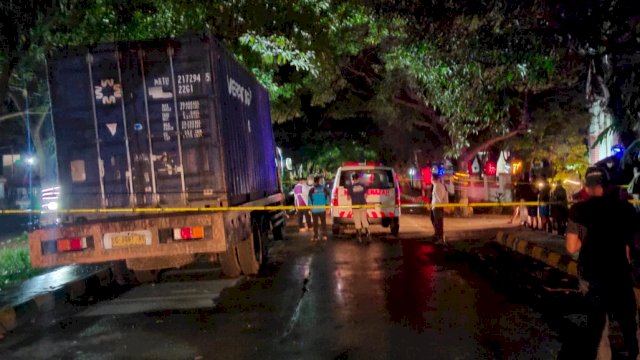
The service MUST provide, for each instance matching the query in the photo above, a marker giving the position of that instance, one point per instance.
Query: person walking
(318, 196)
(602, 230)
(300, 196)
(357, 193)
(439, 196)
(559, 208)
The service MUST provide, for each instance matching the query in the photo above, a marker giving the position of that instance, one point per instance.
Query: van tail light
(334, 197)
(398, 196)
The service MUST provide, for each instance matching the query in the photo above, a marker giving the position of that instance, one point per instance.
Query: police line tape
(276, 208)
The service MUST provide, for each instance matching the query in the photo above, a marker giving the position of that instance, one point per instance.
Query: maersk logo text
(238, 91)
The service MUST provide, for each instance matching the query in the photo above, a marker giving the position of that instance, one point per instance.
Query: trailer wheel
(253, 252)
(146, 276)
(278, 233)
(229, 262)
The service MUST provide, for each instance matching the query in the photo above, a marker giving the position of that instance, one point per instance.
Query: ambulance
(383, 195)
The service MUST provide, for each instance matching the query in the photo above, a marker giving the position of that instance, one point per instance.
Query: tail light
(66, 245)
(188, 233)
(334, 197)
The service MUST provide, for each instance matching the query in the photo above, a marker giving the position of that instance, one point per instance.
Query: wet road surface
(392, 299)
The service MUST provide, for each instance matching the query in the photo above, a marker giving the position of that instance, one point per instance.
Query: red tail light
(188, 233)
(397, 196)
(74, 244)
(334, 197)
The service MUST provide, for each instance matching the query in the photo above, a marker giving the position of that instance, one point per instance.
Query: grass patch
(15, 264)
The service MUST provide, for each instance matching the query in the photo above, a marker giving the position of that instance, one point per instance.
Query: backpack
(318, 197)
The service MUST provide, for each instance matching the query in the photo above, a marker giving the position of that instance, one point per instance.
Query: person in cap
(601, 230)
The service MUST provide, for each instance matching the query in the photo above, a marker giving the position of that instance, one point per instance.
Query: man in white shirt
(439, 196)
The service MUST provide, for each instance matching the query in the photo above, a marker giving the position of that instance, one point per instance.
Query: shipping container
(168, 123)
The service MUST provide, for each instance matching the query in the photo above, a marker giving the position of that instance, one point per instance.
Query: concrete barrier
(562, 262)
(12, 316)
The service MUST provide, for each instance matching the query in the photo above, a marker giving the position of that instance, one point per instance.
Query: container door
(110, 121)
(197, 121)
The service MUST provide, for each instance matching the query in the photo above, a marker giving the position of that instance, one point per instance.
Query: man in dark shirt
(358, 195)
(602, 229)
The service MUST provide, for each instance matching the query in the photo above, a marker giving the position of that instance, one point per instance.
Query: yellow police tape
(271, 208)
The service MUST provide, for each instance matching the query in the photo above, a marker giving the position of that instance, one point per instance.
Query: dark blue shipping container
(175, 122)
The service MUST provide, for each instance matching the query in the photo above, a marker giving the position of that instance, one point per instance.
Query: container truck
(150, 135)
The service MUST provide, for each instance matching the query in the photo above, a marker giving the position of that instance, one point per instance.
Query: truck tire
(278, 233)
(229, 262)
(395, 226)
(253, 252)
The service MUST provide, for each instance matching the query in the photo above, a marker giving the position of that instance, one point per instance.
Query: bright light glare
(31, 160)
(52, 205)
(572, 182)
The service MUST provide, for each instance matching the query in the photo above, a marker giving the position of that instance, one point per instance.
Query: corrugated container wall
(161, 123)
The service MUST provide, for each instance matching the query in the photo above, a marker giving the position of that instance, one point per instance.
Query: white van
(383, 193)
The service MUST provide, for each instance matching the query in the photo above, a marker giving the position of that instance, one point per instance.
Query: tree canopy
(462, 72)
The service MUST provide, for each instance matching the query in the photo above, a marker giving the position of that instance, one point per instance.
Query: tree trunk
(38, 145)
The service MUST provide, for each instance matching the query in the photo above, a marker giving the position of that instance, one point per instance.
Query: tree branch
(468, 154)
(434, 120)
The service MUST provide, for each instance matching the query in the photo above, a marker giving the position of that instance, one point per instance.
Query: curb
(12, 316)
(562, 262)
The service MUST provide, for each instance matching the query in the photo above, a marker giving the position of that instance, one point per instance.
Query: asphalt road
(404, 298)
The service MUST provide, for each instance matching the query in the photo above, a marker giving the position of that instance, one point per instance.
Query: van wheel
(229, 262)
(253, 252)
(395, 227)
(335, 229)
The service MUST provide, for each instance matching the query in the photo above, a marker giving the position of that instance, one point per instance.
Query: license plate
(128, 240)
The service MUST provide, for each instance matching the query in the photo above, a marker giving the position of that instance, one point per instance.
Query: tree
(559, 125)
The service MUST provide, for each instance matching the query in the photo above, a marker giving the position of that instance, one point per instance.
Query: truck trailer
(149, 136)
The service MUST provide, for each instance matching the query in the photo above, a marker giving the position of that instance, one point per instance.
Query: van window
(374, 179)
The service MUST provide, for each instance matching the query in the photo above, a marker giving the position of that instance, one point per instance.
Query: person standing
(543, 208)
(602, 229)
(559, 208)
(318, 196)
(301, 195)
(357, 192)
(439, 196)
